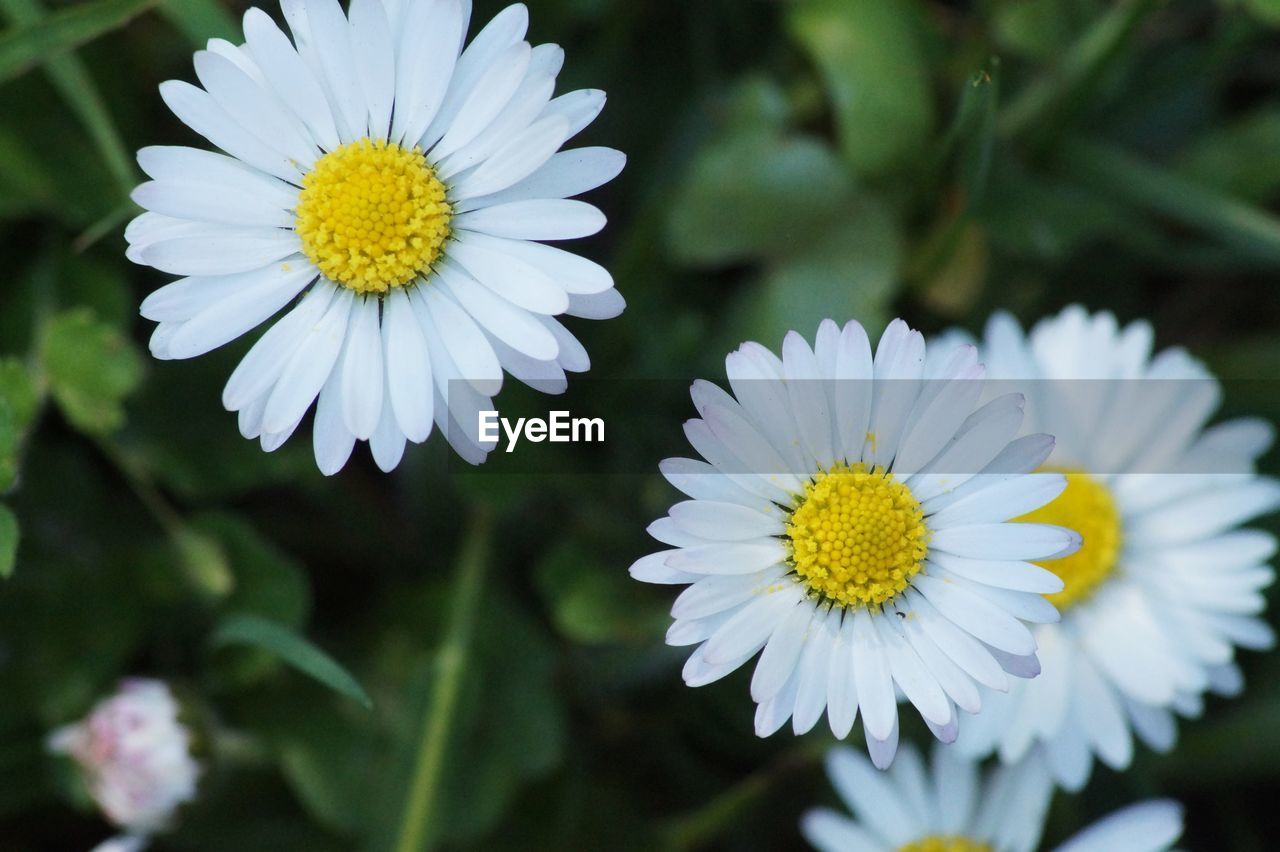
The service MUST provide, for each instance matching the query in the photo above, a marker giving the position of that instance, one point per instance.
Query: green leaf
(18, 390)
(268, 582)
(753, 196)
(1114, 172)
(870, 55)
(8, 541)
(293, 649)
(1238, 158)
(850, 272)
(1060, 90)
(201, 20)
(1035, 29)
(81, 94)
(25, 180)
(25, 47)
(1267, 11)
(91, 367)
(205, 562)
(18, 405)
(593, 603)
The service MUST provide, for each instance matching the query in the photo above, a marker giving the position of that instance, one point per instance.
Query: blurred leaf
(10, 437)
(753, 195)
(955, 286)
(293, 649)
(27, 46)
(1035, 29)
(268, 582)
(1267, 11)
(850, 271)
(25, 181)
(1044, 219)
(91, 367)
(8, 541)
(201, 20)
(92, 282)
(204, 561)
(1238, 159)
(1059, 90)
(18, 391)
(592, 603)
(78, 89)
(870, 55)
(1112, 171)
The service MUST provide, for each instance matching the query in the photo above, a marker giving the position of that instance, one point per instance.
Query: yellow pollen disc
(858, 536)
(949, 843)
(1086, 507)
(372, 215)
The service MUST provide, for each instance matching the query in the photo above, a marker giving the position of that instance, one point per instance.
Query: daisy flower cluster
(1041, 530)
(389, 187)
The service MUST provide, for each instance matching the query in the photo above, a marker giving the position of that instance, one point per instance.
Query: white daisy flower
(1166, 585)
(136, 757)
(398, 183)
(837, 523)
(948, 808)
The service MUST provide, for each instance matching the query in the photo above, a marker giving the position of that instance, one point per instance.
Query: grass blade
(77, 88)
(292, 649)
(1114, 172)
(25, 47)
(200, 20)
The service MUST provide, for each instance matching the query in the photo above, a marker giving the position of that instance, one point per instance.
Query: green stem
(437, 720)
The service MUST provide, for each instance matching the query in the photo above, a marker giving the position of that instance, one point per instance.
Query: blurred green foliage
(788, 161)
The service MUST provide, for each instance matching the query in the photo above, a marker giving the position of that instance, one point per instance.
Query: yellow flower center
(858, 536)
(949, 843)
(1085, 506)
(372, 215)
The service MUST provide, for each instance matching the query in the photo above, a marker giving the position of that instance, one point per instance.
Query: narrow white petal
(425, 59)
(520, 283)
(289, 77)
(233, 250)
(566, 174)
(361, 382)
(198, 110)
(227, 319)
(254, 109)
(408, 368)
(486, 100)
(210, 203)
(507, 28)
(178, 164)
(331, 440)
(539, 219)
(309, 367)
(524, 154)
(266, 359)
